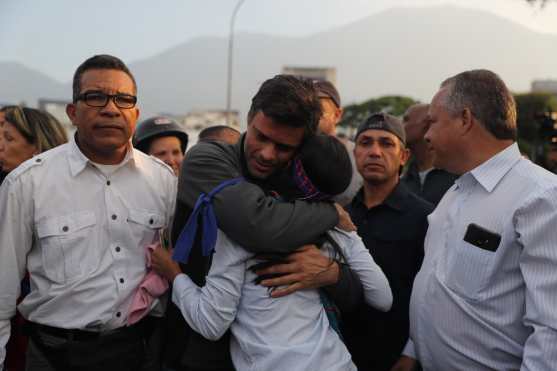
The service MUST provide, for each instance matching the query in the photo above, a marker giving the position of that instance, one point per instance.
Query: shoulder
(534, 181)
(152, 162)
(38, 163)
(415, 203)
(211, 150)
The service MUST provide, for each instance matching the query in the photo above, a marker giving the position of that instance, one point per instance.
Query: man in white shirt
(486, 294)
(78, 218)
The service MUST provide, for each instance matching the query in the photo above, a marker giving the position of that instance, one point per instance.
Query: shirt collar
(396, 200)
(78, 161)
(490, 173)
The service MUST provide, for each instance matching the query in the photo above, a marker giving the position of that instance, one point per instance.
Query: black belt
(136, 329)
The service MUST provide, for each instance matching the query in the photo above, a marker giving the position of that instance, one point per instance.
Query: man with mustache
(78, 218)
(392, 222)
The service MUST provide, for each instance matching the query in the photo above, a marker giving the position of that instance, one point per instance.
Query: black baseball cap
(383, 121)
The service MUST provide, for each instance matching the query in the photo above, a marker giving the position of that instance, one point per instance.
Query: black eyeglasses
(100, 99)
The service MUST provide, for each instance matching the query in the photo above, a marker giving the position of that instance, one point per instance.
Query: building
(544, 86)
(195, 121)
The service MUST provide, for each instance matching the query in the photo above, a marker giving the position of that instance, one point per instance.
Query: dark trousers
(55, 351)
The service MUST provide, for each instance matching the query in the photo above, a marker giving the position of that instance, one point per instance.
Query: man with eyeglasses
(79, 218)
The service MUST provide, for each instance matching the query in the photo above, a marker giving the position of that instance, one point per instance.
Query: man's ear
(339, 113)
(404, 155)
(70, 111)
(467, 120)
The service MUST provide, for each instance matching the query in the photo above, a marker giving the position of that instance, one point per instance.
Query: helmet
(157, 127)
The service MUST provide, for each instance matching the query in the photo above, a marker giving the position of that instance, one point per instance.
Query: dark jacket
(394, 233)
(436, 183)
(255, 220)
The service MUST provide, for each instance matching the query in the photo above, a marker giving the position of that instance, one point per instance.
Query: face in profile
(169, 150)
(415, 123)
(330, 116)
(14, 147)
(269, 145)
(104, 132)
(379, 155)
(441, 135)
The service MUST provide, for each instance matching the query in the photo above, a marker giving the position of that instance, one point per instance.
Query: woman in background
(24, 133)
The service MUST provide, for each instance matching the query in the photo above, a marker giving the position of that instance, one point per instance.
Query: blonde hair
(37, 127)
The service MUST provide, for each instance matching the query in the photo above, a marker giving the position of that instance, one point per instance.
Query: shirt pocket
(468, 270)
(66, 249)
(143, 225)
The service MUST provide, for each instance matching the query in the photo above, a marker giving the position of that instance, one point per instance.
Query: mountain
(20, 84)
(406, 51)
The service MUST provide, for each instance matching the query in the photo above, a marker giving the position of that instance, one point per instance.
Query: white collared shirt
(81, 235)
(477, 309)
(289, 333)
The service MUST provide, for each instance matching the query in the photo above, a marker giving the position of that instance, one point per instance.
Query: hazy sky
(54, 36)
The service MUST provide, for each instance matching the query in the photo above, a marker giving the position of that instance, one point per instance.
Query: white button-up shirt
(290, 333)
(473, 308)
(81, 235)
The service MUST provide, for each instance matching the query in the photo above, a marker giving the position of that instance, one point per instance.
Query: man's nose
(110, 109)
(268, 152)
(375, 150)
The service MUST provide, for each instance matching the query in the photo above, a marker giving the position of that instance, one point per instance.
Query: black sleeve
(244, 212)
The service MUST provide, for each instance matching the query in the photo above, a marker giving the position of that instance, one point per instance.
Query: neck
(422, 155)
(112, 157)
(376, 193)
(482, 152)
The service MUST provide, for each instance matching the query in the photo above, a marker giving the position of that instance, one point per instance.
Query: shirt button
(117, 249)
(121, 280)
(65, 228)
(114, 216)
(108, 182)
(151, 221)
(38, 160)
(118, 314)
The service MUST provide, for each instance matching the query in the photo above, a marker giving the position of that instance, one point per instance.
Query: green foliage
(529, 107)
(355, 114)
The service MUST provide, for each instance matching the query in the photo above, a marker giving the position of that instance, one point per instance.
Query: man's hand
(306, 268)
(405, 363)
(162, 263)
(344, 220)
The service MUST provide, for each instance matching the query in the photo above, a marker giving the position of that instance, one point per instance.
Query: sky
(55, 36)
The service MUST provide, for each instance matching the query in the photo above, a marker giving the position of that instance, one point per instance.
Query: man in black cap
(162, 138)
(392, 222)
(330, 117)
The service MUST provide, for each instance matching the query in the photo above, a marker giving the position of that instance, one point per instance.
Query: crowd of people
(425, 243)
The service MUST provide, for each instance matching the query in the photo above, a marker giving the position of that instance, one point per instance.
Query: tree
(532, 110)
(355, 114)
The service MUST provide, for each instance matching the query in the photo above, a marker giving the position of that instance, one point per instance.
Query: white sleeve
(409, 350)
(211, 309)
(377, 291)
(16, 239)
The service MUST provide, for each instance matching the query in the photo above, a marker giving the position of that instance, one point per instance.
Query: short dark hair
(288, 100)
(213, 132)
(99, 62)
(326, 163)
(487, 97)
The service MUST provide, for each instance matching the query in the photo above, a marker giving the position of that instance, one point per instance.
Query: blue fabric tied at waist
(204, 209)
